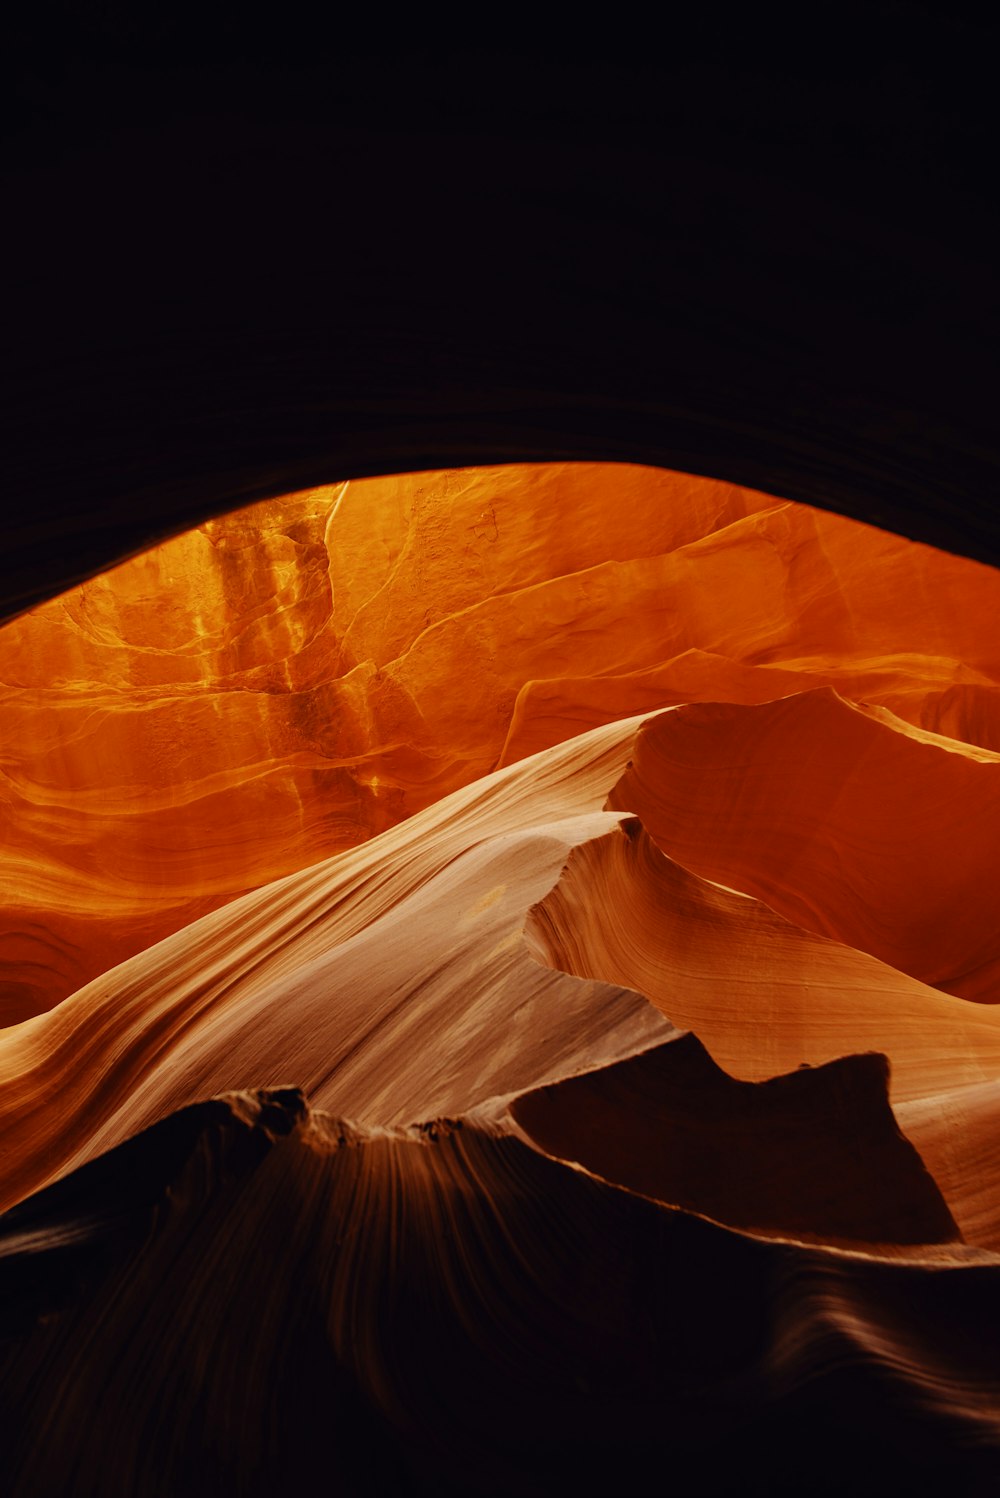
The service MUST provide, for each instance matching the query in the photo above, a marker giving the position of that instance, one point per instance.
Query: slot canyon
(500, 754)
(492, 954)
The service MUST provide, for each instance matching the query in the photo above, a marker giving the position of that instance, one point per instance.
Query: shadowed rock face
(446, 1308)
(809, 1154)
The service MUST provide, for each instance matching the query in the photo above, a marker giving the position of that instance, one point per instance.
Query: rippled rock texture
(501, 985)
(289, 680)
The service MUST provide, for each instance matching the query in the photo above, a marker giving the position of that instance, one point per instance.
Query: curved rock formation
(848, 821)
(691, 988)
(280, 684)
(342, 977)
(241, 262)
(815, 1154)
(764, 995)
(332, 977)
(955, 1132)
(293, 678)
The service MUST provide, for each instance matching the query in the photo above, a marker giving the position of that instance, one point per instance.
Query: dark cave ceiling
(246, 259)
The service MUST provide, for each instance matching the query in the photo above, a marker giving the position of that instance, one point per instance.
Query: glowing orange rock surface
(286, 681)
(501, 979)
(845, 819)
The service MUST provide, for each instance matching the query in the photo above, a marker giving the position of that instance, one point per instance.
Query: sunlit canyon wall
(289, 680)
(544, 919)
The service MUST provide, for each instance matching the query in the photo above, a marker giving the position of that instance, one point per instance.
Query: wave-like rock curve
(842, 817)
(288, 680)
(763, 994)
(610, 1118)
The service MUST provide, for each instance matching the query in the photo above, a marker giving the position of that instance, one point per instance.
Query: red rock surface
(651, 1076)
(843, 818)
(288, 680)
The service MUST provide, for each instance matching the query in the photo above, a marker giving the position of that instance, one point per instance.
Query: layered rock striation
(286, 681)
(540, 1030)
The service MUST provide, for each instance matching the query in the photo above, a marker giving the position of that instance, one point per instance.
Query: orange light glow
(556, 903)
(283, 683)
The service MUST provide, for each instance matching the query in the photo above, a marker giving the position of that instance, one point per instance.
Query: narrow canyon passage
(500, 990)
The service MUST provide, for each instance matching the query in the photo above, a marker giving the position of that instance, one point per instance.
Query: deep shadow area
(249, 257)
(299, 1334)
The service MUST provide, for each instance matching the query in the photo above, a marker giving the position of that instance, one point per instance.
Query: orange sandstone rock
(478, 1254)
(765, 996)
(293, 678)
(848, 821)
(391, 982)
